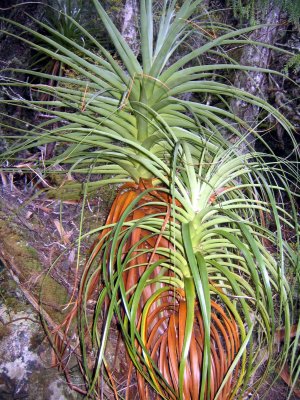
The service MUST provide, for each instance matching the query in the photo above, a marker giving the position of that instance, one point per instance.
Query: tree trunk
(129, 29)
(256, 82)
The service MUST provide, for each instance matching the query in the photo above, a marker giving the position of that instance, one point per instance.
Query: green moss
(53, 298)
(36, 341)
(5, 330)
(25, 258)
(8, 294)
(115, 6)
(29, 262)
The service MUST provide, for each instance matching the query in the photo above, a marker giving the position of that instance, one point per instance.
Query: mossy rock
(24, 258)
(25, 354)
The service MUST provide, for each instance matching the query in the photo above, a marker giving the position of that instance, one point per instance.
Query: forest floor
(38, 246)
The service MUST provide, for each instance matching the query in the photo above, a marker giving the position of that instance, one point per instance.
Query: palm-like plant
(192, 261)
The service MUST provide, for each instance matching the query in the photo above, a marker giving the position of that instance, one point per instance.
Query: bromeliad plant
(191, 264)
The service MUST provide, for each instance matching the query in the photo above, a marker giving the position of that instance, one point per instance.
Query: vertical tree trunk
(129, 25)
(258, 56)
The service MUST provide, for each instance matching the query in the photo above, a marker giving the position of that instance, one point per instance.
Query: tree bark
(129, 25)
(256, 82)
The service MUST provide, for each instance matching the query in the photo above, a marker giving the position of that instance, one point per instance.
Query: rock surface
(25, 364)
